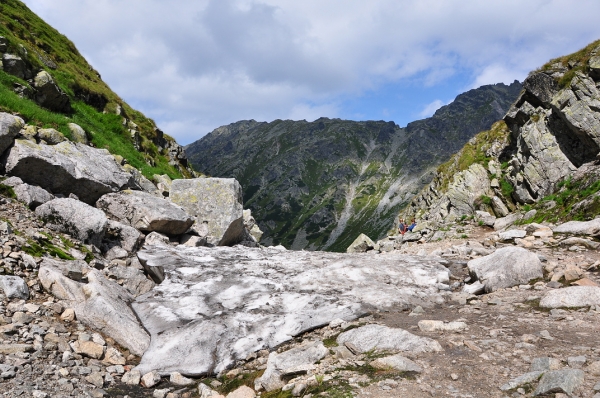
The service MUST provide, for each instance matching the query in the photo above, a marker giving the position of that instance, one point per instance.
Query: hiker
(412, 225)
(401, 226)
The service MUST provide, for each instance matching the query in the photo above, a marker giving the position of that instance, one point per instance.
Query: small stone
(544, 364)
(594, 368)
(577, 362)
(454, 376)
(418, 310)
(68, 315)
(96, 379)
(242, 392)
(131, 378)
(179, 380)
(150, 379)
(162, 393)
(88, 348)
(114, 357)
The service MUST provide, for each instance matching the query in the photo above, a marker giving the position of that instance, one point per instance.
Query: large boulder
(124, 236)
(361, 244)
(9, 128)
(67, 168)
(571, 297)
(30, 195)
(14, 65)
(383, 338)
(75, 218)
(78, 134)
(145, 212)
(591, 228)
(297, 359)
(101, 304)
(215, 201)
(506, 267)
(49, 95)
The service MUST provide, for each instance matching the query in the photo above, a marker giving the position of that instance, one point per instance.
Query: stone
(279, 364)
(95, 379)
(210, 292)
(14, 65)
(132, 279)
(88, 349)
(31, 195)
(577, 362)
(242, 392)
(192, 240)
(205, 391)
(590, 244)
(590, 228)
(163, 183)
(499, 207)
(67, 168)
(68, 315)
(382, 338)
(14, 287)
(131, 378)
(10, 349)
(504, 222)
(178, 379)
(506, 267)
(49, 95)
(216, 201)
(573, 273)
(9, 128)
(512, 234)
(150, 379)
(441, 326)
(145, 212)
(125, 236)
(50, 136)
(396, 362)
(114, 357)
(100, 303)
(78, 134)
(559, 381)
(571, 297)
(544, 364)
(361, 244)
(594, 368)
(75, 218)
(486, 218)
(527, 378)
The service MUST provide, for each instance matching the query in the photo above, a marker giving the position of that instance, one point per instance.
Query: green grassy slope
(44, 48)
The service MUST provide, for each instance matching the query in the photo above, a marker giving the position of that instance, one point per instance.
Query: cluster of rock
(553, 136)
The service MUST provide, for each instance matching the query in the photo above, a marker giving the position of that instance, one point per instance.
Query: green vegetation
(576, 62)
(7, 191)
(36, 249)
(49, 50)
(506, 188)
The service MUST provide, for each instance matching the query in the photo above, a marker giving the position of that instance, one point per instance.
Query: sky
(195, 65)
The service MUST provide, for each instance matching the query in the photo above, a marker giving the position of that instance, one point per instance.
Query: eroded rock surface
(217, 305)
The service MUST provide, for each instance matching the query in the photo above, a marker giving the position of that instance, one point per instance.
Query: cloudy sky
(194, 65)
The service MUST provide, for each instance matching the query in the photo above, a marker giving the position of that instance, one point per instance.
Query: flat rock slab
(559, 381)
(383, 338)
(579, 227)
(146, 212)
(217, 305)
(571, 297)
(512, 234)
(506, 267)
(67, 168)
(396, 362)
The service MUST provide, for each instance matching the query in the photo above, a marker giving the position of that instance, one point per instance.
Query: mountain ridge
(316, 185)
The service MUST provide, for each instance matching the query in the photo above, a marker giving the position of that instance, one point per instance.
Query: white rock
(571, 297)
(382, 338)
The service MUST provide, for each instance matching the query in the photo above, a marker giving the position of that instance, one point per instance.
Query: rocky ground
(492, 339)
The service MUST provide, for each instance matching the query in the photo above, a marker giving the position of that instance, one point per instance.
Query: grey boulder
(9, 128)
(146, 212)
(50, 136)
(506, 267)
(591, 228)
(100, 303)
(571, 297)
(14, 65)
(294, 361)
(78, 134)
(559, 381)
(49, 95)
(123, 235)
(383, 338)
(75, 218)
(31, 195)
(67, 168)
(14, 287)
(216, 201)
(361, 244)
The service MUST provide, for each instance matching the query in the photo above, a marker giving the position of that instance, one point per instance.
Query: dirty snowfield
(217, 305)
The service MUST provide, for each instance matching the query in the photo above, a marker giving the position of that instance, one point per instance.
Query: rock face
(9, 128)
(217, 305)
(100, 303)
(67, 168)
(506, 267)
(216, 202)
(75, 218)
(145, 212)
(316, 185)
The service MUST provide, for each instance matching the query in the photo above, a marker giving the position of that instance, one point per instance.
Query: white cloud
(193, 65)
(431, 108)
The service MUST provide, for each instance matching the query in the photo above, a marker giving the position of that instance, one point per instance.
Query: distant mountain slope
(32, 53)
(317, 185)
